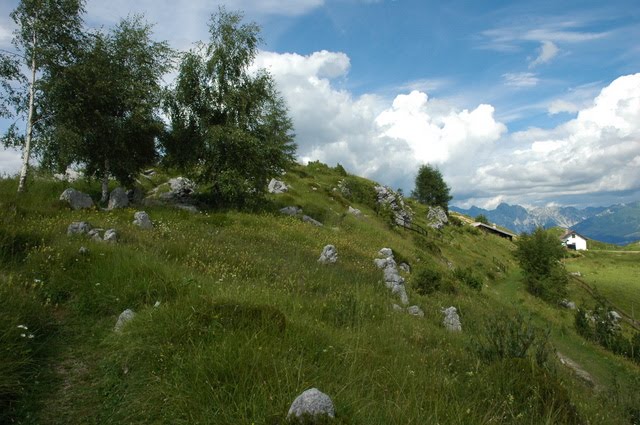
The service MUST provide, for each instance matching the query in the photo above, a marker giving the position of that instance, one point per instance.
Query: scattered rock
(383, 263)
(110, 235)
(149, 173)
(157, 304)
(396, 307)
(385, 252)
(95, 234)
(118, 199)
(392, 277)
(78, 228)
(142, 220)
(451, 319)
(187, 207)
(181, 188)
(354, 211)
(615, 316)
(125, 317)
(437, 217)
(329, 255)
(135, 195)
(311, 403)
(568, 304)
(291, 210)
(414, 310)
(83, 250)
(402, 214)
(76, 199)
(277, 187)
(405, 267)
(576, 274)
(310, 220)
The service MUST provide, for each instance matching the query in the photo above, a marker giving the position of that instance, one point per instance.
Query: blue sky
(532, 102)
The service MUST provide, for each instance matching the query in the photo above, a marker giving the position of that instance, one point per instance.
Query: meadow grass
(248, 319)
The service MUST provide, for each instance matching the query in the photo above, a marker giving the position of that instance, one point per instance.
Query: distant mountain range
(618, 224)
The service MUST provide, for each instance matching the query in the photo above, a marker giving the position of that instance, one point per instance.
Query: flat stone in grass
(311, 220)
(414, 310)
(291, 210)
(125, 317)
(76, 199)
(78, 228)
(311, 404)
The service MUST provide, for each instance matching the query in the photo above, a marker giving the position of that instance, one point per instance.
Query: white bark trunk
(26, 150)
(105, 182)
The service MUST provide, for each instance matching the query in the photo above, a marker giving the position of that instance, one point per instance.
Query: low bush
(427, 281)
(467, 277)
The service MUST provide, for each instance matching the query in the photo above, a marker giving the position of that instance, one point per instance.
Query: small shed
(494, 230)
(574, 240)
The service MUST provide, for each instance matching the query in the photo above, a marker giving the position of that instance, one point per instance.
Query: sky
(531, 102)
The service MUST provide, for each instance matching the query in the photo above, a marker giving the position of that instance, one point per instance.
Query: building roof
(570, 232)
(493, 229)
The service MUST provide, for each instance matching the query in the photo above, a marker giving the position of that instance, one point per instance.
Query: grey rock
(576, 274)
(396, 307)
(310, 220)
(125, 317)
(291, 210)
(385, 252)
(405, 267)
(615, 316)
(451, 319)
(142, 220)
(181, 187)
(78, 228)
(118, 199)
(354, 211)
(187, 207)
(110, 235)
(568, 304)
(313, 403)
(135, 195)
(437, 217)
(400, 291)
(83, 250)
(95, 234)
(384, 263)
(76, 199)
(329, 255)
(414, 310)
(277, 187)
(392, 278)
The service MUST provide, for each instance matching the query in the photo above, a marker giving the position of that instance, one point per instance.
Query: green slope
(248, 319)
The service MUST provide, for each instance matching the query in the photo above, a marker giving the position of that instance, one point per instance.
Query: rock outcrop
(451, 319)
(387, 198)
(124, 318)
(437, 217)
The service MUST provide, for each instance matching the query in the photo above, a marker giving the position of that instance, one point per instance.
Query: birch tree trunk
(26, 150)
(105, 182)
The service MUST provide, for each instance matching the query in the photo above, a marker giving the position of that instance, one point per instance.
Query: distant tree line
(96, 98)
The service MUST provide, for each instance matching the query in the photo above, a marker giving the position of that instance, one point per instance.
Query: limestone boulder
(118, 199)
(142, 220)
(124, 318)
(76, 199)
(277, 187)
(312, 403)
(329, 255)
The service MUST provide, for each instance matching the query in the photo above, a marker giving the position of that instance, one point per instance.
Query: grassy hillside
(248, 319)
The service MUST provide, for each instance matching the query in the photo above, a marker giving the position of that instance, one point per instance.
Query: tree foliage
(46, 39)
(539, 255)
(229, 126)
(107, 103)
(430, 187)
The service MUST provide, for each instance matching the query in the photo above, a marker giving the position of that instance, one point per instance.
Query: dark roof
(493, 229)
(570, 232)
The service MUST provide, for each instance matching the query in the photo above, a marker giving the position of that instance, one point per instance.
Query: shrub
(467, 277)
(340, 170)
(455, 221)
(583, 324)
(482, 219)
(427, 281)
(505, 336)
(359, 190)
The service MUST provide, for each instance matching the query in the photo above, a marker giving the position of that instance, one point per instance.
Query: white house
(573, 240)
